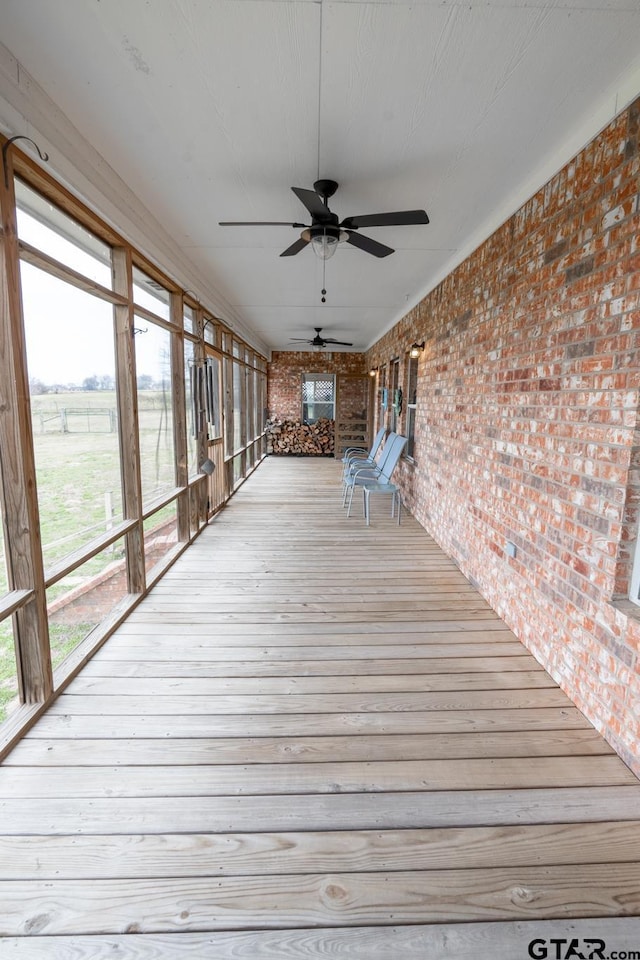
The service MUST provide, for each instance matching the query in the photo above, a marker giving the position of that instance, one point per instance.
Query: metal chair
(381, 473)
(355, 466)
(357, 453)
(354, 456)
(392, 488)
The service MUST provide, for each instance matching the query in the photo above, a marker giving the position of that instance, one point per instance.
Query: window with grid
(634, 590)
(394, 394)
(383, 397)
(318, 397)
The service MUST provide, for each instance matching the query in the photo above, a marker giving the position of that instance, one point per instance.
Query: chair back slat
(397, 445)
(386, 451)
(358, 453)
(377, 442)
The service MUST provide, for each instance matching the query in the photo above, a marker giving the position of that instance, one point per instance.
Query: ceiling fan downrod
(325, 189)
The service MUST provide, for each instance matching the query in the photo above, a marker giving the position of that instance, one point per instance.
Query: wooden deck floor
(314, 739)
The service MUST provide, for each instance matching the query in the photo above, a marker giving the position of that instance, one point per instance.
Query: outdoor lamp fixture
(416, 350)
(372, 373)
(324, 240)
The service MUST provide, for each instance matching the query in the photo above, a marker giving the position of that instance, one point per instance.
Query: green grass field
(79, 494)
(8, 681)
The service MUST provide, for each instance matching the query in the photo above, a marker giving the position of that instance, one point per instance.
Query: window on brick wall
(383, 397)
(634, 589)
(318, 396)
(412, 387)
(627, 582)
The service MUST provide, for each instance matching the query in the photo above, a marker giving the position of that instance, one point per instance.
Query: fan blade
(301, 339)
(369, 245)
(313, 203)
(401, 218)
(259, 223)
(341, 343)
(296, 247)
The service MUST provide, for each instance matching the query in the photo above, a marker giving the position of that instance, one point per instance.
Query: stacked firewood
(293, 437)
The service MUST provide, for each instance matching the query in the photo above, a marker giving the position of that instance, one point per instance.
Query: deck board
(229, 686)
(358, 851)
(371, 776)
(73, 816)
(298, 749)
(348, 667)
(446, 941)
(65, 726)
(313, 739)
(287, 901)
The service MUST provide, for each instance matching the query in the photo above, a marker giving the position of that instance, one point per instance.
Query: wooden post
(242, 373)
(227, 410)
(202, 489)
(179, 415)
(128, 414)
(19, 498)
(250, 416)
(108, 510)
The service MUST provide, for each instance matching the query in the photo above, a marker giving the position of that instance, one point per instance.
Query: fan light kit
(326, 232)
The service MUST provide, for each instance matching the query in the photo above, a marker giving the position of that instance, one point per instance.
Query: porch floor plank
(313, 739)
(446, 941)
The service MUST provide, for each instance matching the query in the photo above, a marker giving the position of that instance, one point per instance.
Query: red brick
(527, 423)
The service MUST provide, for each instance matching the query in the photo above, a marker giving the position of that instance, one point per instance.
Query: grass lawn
(8, 681)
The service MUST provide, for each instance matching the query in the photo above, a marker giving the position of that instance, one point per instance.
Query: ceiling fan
(326, 231)
(321, 342)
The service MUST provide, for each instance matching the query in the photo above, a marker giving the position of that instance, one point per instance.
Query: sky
(69, 332)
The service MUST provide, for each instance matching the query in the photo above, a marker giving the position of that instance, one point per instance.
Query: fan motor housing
(325, 188)
(323, 230)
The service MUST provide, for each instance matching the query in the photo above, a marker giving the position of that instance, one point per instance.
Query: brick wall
(284, 378)
(528, 429)
(94, 598)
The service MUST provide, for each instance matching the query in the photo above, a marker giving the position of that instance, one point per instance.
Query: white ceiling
(211, 110)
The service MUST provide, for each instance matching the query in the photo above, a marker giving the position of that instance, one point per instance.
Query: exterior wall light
(416, 350)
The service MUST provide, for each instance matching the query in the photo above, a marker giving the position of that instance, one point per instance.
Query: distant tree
(145, 382)
(37, 387)
(107, 382)
(90, 383)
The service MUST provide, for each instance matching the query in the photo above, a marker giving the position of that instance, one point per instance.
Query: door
(352, 418)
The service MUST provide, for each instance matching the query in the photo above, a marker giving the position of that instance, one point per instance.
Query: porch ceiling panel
(212, 110)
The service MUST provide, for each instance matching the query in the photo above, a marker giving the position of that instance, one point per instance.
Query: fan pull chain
(323, 298)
